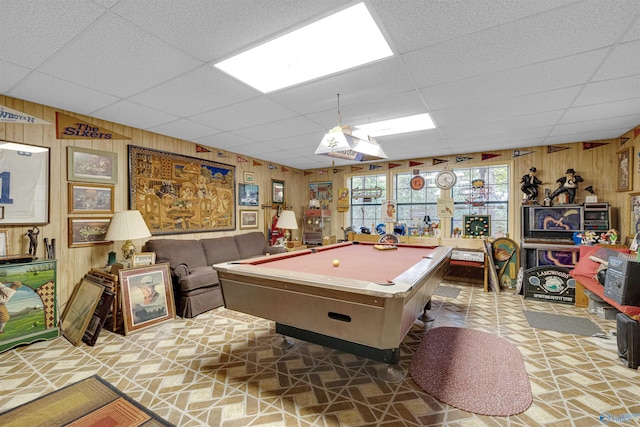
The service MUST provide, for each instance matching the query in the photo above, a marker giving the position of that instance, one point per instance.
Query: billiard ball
(336, 262)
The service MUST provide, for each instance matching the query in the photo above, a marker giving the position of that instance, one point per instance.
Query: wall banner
(9, 115)
(68, 127)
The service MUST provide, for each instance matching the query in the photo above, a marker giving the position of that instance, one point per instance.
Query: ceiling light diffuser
(344, 40)
(395, 126)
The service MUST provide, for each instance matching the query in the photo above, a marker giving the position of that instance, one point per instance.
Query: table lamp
(287, 221)
(127, 225)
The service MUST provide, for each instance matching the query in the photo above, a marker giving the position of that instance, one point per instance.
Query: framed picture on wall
(248, 219)
(24, 173)
(85, 165)
(625, 169)
(248, 194)
(90, 198)
(277, 193)
(635, 213)
(88, 231)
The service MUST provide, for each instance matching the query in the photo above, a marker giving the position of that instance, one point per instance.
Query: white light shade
(287, 220)
(127, 225)
(340, 143)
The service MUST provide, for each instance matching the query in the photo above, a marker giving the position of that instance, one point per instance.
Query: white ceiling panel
(494, 74)
(44, 26)
(118, 58)
(244, 114)
(10, 74)
(47, 90)
(197, 91)
(129, 113)
(184, 129)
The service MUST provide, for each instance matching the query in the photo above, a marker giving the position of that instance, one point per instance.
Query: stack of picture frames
(87, 310)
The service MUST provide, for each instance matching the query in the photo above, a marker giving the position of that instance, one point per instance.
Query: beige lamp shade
(125, 226)
(287, 220)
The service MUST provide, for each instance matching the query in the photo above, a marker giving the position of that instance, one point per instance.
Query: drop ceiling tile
(11, 75)
(184, 129)
(430, 22)
(225, 141)
(362, 84)
(48, 90)
(135, 115)
(623, 61)
(280, 129)
(542, 77)
(213, 29)
(251, 112)
(115, 57)
(602, 125)
(256, 149)
(527, 41)
(609, 91)
(199, 90)
(588, 135)
(32, 31)
(556, 100)
(601, 111)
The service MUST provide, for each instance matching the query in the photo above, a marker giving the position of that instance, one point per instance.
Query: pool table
(365, 305)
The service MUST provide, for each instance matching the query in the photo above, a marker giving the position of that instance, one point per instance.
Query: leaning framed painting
(181, 194)
(634, 201)
(147, 296)
(79, 310)
(24, 193)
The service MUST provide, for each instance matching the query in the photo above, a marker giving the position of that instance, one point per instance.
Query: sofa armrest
(180, 271)
(274, 250)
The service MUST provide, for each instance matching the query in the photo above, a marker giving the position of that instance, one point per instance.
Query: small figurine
(530, 185)
(33, 233)
(567, 184)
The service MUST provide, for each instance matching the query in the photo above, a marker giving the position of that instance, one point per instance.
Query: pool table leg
(425, 317)
(284, 344)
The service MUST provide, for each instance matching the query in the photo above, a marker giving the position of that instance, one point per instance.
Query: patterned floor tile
(224, 368)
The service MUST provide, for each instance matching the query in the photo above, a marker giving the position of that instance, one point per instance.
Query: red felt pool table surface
(357, 261)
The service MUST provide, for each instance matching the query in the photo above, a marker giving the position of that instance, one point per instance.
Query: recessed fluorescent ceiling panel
(338, 42)
(395, 126)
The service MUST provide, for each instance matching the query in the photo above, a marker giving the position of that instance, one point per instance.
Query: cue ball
(336, 262)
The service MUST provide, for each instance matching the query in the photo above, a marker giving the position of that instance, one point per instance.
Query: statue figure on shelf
(33, 233)
(530, 184)
(567, 184)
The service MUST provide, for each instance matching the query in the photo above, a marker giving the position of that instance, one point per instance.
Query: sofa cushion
(177, 251)
(199, 277)
(220, 249)
(251, 244)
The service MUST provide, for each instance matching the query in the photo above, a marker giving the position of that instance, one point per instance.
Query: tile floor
(220, 369)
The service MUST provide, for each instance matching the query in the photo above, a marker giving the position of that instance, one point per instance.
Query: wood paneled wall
(598, 167)
(73, 263)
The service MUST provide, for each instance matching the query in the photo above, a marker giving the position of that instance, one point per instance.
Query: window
(479, 190)
(416, 208)
(482, 191)
(367, 192)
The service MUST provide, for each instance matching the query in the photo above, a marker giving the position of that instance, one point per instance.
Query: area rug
(472, 370)
(447, 291)
(559, 323)
(90, 402)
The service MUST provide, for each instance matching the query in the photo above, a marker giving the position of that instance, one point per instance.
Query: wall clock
(477, 225)
(417, 182)
(446, 179)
